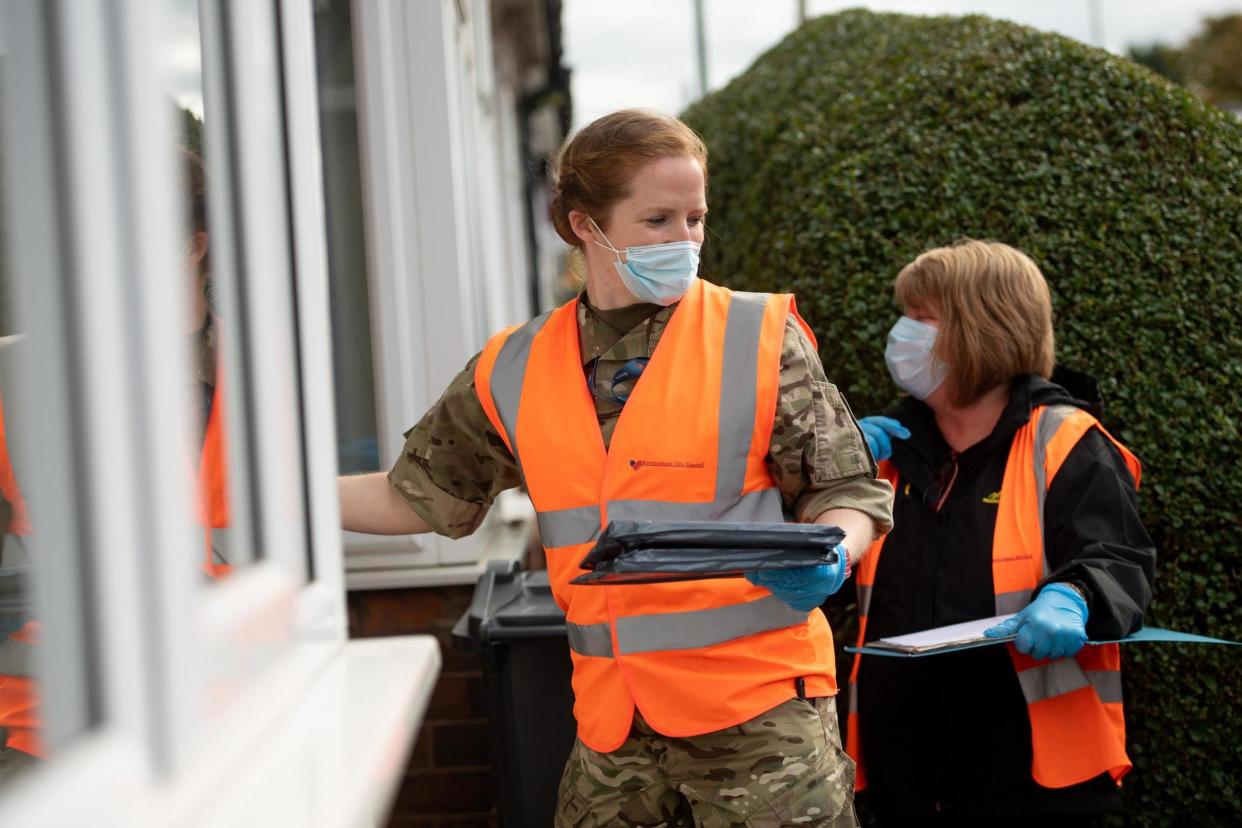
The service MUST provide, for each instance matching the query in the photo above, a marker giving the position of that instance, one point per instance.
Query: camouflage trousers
(784, 767)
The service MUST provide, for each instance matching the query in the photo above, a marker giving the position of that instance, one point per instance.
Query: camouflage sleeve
(454, 462)
(817, 454)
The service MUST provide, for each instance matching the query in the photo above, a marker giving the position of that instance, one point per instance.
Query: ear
(196, 248)
(581, 224)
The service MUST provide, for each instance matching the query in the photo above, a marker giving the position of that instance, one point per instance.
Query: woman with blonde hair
(655, 395)
(1011, 498)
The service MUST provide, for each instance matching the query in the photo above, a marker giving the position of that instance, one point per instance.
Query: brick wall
(448, 781)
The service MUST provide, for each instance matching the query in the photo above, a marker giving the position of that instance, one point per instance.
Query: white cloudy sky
(642, 52)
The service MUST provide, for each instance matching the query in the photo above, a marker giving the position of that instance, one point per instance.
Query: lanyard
(630, 371)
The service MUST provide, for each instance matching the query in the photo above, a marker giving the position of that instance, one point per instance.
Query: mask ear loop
(608, 246)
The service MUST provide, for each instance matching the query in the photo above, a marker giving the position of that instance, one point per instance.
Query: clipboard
(969, 635)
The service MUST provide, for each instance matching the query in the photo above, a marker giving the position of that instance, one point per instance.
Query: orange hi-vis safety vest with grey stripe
(19, 692)
(19, 520)
(1074, 704)
(18, 698)
(213, 487)
(690, 445)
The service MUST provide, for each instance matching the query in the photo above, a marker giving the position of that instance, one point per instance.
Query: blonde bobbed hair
(995, 314)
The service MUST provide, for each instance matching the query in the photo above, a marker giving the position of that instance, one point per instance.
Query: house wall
(447, 783)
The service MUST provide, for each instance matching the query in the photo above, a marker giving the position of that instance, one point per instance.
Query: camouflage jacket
(454, 462)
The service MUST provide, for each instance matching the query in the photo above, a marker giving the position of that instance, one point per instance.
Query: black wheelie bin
(520, 632)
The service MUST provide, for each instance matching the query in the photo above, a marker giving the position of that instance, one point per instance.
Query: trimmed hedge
(863, 139)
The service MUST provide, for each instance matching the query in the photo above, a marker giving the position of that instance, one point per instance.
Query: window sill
(332, 757)
(337, 756)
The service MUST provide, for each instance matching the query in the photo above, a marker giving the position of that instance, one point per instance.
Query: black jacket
(949, 734)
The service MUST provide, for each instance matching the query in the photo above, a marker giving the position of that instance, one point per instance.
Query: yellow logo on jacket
(992, 499)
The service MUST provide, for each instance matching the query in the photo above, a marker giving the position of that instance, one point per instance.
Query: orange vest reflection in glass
(19, 694)
(1078, 728)
(213, 483)
(18, 701)
(19, 520)
(690, 444)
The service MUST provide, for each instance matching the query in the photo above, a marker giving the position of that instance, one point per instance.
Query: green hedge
(863, 139)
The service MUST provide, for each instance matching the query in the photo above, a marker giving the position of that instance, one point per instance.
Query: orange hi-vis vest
(1074, 704)
(690, 445)
(19, 521)
(19, 717)
(213, 484)
(18, 698)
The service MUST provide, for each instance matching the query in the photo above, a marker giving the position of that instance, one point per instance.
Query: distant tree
(1211, 62)
(1160, 58)
(191, 131)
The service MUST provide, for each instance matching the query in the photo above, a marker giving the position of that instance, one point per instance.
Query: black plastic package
(641, 552)
(14, 599)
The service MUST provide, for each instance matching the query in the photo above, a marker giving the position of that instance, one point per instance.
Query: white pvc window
(444, 259)
(148, 672)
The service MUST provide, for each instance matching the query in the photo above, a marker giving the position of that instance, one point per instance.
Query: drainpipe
(554, 91)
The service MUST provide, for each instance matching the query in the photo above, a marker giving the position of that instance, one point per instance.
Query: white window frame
(309, 727)
(441, 277)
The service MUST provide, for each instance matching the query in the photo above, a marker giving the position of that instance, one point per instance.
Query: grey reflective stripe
(1055, 678)
(566, 527)
(590, 639)
(864, 598)
(508, 375)
(763, 506)
(16, 658)
(738, 392)
(222, 545)
(1008, 603)
(1107, 684)
(1049, 422)
(703, 628)
(853, 695)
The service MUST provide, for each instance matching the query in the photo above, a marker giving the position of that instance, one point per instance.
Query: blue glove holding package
(805, 587)
(880, 432)
(1054, 625)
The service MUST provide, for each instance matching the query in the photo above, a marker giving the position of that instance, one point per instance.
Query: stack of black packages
(642, 552)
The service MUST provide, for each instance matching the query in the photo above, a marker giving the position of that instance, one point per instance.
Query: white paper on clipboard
(940, 638)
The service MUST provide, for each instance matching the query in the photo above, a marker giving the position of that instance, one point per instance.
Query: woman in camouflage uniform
(629, 180)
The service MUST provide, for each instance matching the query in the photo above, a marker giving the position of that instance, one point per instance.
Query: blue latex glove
(880, 432)
(1054, 625)
(805, 587)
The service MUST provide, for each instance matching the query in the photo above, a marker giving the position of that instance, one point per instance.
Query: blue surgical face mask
(910, 360)
(656, 273)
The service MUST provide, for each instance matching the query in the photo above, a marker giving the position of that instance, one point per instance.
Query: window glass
(357, 443)
(21, 742)
(215, 439)
(36, 515)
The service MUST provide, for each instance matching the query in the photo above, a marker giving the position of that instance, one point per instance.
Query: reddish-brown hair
(194, 187)
(995, 313)
(595, 166)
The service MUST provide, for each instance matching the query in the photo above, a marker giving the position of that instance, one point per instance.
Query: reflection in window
(20, 744)
(357, 443)
(206, 325)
